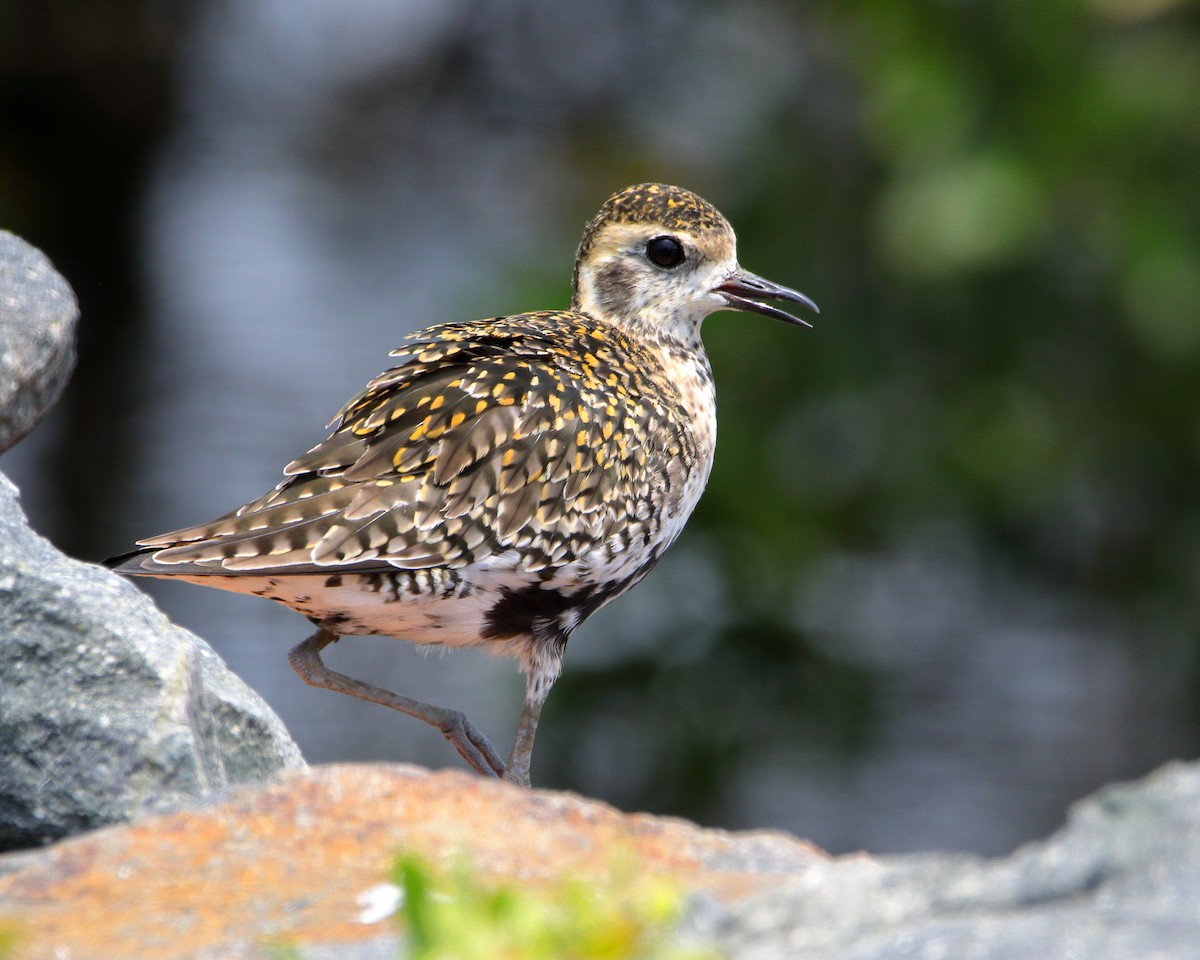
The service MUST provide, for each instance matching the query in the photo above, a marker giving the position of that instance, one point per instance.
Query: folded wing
(487, 439)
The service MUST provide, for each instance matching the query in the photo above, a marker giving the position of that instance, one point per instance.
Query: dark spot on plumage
(613, 284)
(539, 612)
(334, 581)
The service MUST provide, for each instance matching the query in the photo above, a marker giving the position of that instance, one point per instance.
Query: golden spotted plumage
(507, 477)
(554, 434)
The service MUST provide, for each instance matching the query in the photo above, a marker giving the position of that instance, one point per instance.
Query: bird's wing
(489, 436)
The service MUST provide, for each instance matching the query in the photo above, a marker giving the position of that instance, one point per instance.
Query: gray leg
(522, 752)
(471, 745)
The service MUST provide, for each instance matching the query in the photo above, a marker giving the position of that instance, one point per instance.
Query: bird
(507, 477)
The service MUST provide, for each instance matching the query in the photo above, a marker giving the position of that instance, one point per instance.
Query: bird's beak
(746, 291)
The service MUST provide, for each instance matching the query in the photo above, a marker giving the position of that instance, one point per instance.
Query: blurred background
(944, 579)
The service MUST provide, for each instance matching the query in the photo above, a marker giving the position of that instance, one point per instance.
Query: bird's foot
(471, 745)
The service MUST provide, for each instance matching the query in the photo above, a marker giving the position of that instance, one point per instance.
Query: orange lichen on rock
(289, 862)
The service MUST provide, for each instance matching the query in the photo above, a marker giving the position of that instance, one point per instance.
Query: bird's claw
(472, 746)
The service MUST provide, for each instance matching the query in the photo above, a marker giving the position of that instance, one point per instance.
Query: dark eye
(665, 251)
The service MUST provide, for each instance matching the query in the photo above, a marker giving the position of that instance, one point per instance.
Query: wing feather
(488, 436)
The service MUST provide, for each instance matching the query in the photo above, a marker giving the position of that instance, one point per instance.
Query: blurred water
(340, 175)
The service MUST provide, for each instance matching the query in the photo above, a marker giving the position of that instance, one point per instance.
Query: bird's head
(659, 259)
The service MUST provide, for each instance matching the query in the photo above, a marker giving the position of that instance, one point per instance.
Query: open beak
(746, 291)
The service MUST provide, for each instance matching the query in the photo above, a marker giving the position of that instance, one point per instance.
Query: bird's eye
(665, 251)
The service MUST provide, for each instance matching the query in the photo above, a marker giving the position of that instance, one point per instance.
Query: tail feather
(130, 563)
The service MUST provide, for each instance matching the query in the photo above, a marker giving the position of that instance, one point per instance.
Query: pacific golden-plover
(509, 476)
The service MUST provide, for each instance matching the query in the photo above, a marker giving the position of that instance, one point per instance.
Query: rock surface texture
(283, 869)
(106, 708)
(38, 314)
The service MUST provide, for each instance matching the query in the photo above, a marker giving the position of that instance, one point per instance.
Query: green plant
(8, 940)
(459, 916)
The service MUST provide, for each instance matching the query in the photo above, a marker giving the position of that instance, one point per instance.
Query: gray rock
(38, 314)
(106, 708)
(1121, 880)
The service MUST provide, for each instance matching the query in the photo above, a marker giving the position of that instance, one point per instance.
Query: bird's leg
(471, 745)
(536, 689)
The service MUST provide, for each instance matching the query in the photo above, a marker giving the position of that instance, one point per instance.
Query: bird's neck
(648, 323)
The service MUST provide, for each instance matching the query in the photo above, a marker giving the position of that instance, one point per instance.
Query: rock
(38, 314)
(1121, 880)
(282, 869)
(294, 859)
(106, 708)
